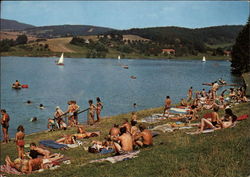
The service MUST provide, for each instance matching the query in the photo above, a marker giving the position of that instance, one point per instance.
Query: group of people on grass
(209, 100)
(72, 114)
(125, 138)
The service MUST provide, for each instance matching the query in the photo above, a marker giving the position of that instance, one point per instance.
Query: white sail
(119, 57)
(60, 61)
(204, 59)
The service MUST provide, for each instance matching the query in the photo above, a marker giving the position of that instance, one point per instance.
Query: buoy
(25, 86)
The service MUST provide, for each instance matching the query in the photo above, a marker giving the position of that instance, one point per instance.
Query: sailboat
(119, 57)
(60, 61)
(204, 59)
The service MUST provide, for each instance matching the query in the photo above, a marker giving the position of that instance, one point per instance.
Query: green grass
(222, 153)
(219, 45)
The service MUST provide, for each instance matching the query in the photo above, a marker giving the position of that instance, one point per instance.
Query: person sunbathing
(67, 139)
(146, 137)
(183, 102)
(35, 151)
(87, 134)
(125, 144)
(29, 165)
(229, 119)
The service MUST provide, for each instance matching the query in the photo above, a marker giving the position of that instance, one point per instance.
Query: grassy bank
(222, 153)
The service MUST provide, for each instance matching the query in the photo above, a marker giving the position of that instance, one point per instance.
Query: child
(20, 141)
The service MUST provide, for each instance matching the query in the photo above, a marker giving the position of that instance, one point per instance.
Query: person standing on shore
(91, 113)
(167, 104)
(5, 125)
(58, 115)
(20, 141)
(190, 94)
(75, 114)
(99, 106)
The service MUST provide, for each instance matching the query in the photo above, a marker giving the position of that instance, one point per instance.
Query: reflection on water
(84, 79)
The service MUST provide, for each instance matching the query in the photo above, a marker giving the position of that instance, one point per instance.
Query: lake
(84, 79)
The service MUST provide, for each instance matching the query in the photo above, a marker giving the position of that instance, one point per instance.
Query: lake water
(84, 79)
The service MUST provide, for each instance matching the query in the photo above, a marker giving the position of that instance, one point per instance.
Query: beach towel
(52, 144)
(243, 117)
(106, 151)
(180, 110)
(118, 158)
(207, 115)
(8, 169)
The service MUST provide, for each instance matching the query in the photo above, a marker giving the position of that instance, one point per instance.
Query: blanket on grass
(8, 169)
(118, 158)
(54, 145)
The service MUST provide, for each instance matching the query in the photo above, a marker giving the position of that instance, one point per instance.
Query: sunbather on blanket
(87, 134)
(146, 137)
(67, 139)
(27, 166)
(35, 151)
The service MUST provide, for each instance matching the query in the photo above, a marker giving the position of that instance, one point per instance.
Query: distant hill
(12, 25)
(178, 35)
(66, 30)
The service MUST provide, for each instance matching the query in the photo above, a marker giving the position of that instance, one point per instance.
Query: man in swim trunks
(146, 135)
(126, 142)
(167, 104)
(5, 125)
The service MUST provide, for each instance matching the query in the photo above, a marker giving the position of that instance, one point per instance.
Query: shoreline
(150, 58)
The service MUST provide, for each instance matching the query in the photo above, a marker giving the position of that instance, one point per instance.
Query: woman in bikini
(99, 106)
(91, 113)
(20, 141)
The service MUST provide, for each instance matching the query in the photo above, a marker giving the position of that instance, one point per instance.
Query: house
(168, 51)
(227, 53)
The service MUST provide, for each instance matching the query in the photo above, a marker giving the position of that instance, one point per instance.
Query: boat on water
(119, 57)
(61, 60)
(204, 59)
(125, 66)
(133, 77)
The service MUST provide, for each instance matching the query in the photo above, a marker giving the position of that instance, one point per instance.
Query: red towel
(207, 115)
(243, 117)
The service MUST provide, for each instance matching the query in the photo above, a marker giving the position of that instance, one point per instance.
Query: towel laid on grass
(118, 158)
(8, 169)
(52, 144)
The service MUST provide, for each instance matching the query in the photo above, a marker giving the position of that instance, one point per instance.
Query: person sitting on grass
(114, 131)
(36, 152)
(229, 119)
(134, 116)
(214, 122)
(124, 142)
(127, 125)
(144, 138)
(183, 102)
(20, 141)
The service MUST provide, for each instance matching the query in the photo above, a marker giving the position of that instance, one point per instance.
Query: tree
(21, 39)
(240, 52)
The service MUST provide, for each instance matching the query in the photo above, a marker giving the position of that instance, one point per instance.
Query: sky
(127, 14)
